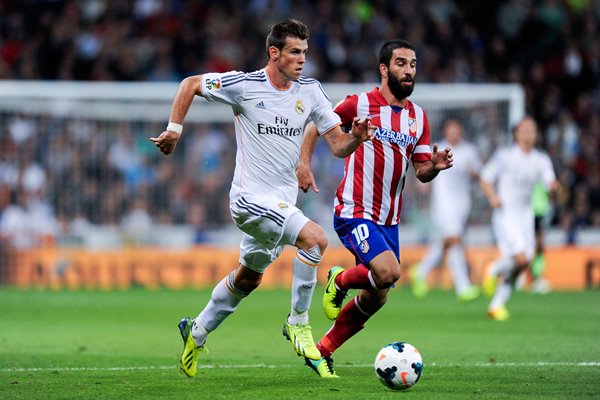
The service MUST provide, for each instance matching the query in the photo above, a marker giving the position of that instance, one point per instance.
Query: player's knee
(520, 267)
(521, 262)
(315, 237)
(451, 241)
(388, 277)
(246, 280)
(248, 285)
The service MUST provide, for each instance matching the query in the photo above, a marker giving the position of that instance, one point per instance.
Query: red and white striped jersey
(374, 174)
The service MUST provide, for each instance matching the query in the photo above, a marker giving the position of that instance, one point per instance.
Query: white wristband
(175, 127)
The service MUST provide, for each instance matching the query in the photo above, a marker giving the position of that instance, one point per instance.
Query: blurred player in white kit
(508, 180)
(450, 208)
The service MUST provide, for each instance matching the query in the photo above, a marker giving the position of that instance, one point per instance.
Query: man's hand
(443, 159)
(362, 129)
(166, 142)
(495, 201)
(306, 179)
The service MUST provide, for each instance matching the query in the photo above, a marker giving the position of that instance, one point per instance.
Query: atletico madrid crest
(364, 246)
(412, 125)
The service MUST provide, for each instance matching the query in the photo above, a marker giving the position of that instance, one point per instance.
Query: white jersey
(269, 127)
(515, 174)
(451, 189)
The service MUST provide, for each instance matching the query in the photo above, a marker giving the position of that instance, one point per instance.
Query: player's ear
(383, 70)
(273, 53)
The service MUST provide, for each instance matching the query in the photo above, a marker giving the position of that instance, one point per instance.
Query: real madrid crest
(282, 205)
(299, 107)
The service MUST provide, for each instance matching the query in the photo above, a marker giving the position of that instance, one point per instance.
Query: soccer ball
(399, 365)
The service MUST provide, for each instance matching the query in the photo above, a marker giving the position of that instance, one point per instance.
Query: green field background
(96, 345)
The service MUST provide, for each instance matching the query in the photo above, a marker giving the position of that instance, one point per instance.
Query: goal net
(77, 155)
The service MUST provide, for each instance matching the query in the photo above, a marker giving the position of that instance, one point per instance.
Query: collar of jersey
(379, 99)
(274, 86)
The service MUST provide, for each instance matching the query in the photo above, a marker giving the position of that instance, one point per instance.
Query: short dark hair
(449, 119)
(282, 29)
(385, 53)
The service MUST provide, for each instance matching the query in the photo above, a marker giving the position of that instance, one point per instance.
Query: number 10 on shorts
(361, 234)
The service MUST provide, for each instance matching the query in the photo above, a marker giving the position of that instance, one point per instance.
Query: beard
(398, 90)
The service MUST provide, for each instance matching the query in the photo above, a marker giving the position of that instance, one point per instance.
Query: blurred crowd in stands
(66, 175)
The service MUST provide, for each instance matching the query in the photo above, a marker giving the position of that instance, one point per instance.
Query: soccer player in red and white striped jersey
(368, 200)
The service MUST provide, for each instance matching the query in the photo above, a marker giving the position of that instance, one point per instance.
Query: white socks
(457, 264)
(226, 297)
(431, 259)
(505, 288)
(303, 285)
(503, 293)
(223, 302)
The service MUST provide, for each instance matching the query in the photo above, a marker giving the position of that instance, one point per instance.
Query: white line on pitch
(249, 366)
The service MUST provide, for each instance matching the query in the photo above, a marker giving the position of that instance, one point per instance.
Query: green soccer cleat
(418, 285)
(499, 314)
(470, 294)
(323, 367)
(333, 298)
(302, 340)
(189, 357)
(489, 285)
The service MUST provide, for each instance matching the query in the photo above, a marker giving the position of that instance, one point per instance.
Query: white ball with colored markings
(399, 365)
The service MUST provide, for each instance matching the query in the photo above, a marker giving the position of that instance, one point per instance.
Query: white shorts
(515, 232)
(449, 221)
(268, 225)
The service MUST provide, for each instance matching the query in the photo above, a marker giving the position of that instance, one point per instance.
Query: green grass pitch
(116, 345)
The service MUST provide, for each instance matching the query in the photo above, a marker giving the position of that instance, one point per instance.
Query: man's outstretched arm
(341, 144)
(188, 88)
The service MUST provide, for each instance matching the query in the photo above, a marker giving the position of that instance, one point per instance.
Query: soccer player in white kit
(450, 207)
(271, 108)
(508, 180)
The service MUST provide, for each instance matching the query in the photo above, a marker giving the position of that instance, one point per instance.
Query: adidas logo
(261, 105)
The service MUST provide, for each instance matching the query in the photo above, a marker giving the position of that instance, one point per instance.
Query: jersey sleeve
(224, 87)
(347, 110)
(491, 169)
(422, 150)
(322, 114)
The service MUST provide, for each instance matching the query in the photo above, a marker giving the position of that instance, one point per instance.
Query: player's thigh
(385, 266)
(450, 222)
(270, 221)
(366, 239)
(514, 233)
(257, 256)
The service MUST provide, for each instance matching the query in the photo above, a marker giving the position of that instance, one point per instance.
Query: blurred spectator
(15, 225)
(27, 222)
(136, 223)
(197, 219)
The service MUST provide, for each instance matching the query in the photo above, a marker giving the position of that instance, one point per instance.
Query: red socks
(350, 321)
(354, 278)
